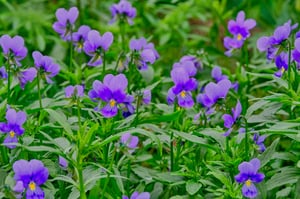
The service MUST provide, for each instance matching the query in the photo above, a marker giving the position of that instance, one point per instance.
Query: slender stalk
(8, 82)
(71, 52)
(138, 102)
(246, 140)
(128, 177)
(103, 68)
(108, 174)
(122, 30)
(172, 151)
(39, 89)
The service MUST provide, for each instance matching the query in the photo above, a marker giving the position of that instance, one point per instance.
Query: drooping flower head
(129, 141)
(240, 29)
(74, 91)
(13, 127)
(111, 92)
(143, 53)
(123, 10)
(13, 49)
(259, 141)
(29, 176)
(45, 65)
(182, 88)
(65, 22)
(230, 120)
(79, 37)
(63, 163)
(249, 175)
(137, 195)
(96, 45)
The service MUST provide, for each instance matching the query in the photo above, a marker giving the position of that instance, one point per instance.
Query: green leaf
(288, 175)
(192, 187)
(266, 156)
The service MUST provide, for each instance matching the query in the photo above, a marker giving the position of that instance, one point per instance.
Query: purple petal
(171, 96)
(250, 23)
(62, 162)
(19, 187)
(228, 120)
(39, 173)
(263, 43)
(109, 111)
(237, 111)
(69, 90)
(249, 191)
(10, 142)
(148, 56)
(11, 116)
(257, 177)
(115, 83)
(240, 17)
(144, 195)
(106, 40)
(38, 193)
(256, 164)
(72, 15)
(179, 76)
(22, 171)
(241, 177)
(185, 99)
(146, 96)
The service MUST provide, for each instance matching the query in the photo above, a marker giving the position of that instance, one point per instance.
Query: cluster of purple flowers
(275, 44)
(240, 30)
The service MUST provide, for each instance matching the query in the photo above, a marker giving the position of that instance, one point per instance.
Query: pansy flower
(123, 10)
(79, 37)
(27, 75)
(111, 92)
(13, 49)
(129, 141)
(182, 88)
(282, 63)
(144, 53)
(249, 175)
(74, 91)
(29, 176)
(65, 22)
(13, 127)
(197, 63)
(230, 120)
(188, 66)
(3, 73)
(259, 141)
(96, 45)
(137, 195)
(63, 163)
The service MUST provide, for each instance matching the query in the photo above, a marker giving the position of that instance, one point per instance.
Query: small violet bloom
(197, 63)
(129, 141)
(13, 49)
(96, 45)
(137, 195)
(3, 73)
(182, 88)
(259, 141)
(29, 176)
(79, 37)
(282, 63)
(146, 96)
(76, 91)
(216, 73)
(295, 52)
(111, 91)
(45, 65)
(144, 53)
(249, 175)
(188, 66)
(62, 162)
(123, 10)
(230, 120)
(26, 76)
(65, 22)
(13, 127)
(213, 92)
(240, 29)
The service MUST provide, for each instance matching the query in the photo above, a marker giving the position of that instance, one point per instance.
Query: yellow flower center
(112, 103)
(248, 183)
(239, 37)
(183, 94)
(32, 186)
(12, 134)
(282, 70)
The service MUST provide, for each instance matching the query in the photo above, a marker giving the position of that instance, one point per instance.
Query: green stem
(172, 151)
(108, 174)
(8, 83)
(289, 66)
(71, 52)
(4, 155)
(39, 89)
(103, 68)
(122, 30)
(138, 102)
(128, 177)
(246, 140)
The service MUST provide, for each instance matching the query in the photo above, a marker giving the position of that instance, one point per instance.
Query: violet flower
(13, 127)
(216, 73)
(282, 63)
(213, 92)
(96, 45)
(144, 53)
(65, 22)
(62, 162)
(197, 63)
(182, 88)
(26, 76)
(123, 10)
(29, 176)
(259, 141)
(45, 65)
(249, 175)
(188, 66)
(129, 141)
(79, 37)
(296, 52)
(13, 49)
(3, 73)
(230, 120)
(137, 195)
(146, 96)
(74, 91)
(111, 91)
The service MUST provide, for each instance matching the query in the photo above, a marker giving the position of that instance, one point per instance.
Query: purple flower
(13, 49)
(259, 141)
(95, 45)
(65, 22)
(146, 96)
(129, 141)
(213, 92)
(128, 108)
(27, 75)
(80, 37)
(270, 44)
(281, 62)
(30, 176)
(76, 91)
(62, 162)
(144, 53)
(249, 175)
(296, 52)
(230, 120)
(123, 10)
(45, 64)
(3, 73)
(216, 73)
(111, 91)
(13, 127)
(240, 28)
(182, 88)
(197, 63)
(137, 195)
(188, 66)
(232, 43)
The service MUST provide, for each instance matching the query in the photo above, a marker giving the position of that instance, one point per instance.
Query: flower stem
(103, 68)
(138, 102)
(39, 89)
(128, 177)
(122, 30)
(71, 52)
(172, 151)
(108, 174)
(8, 83)
(246, 141)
